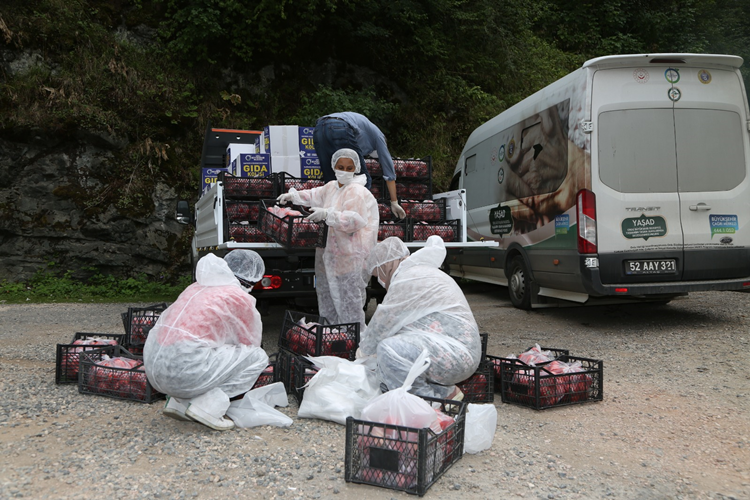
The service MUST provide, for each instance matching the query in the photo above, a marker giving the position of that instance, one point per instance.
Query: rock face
(49, 214)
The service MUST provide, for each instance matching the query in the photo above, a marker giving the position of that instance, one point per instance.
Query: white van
(628, 177)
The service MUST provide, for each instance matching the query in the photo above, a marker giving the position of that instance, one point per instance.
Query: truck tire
(519, 283)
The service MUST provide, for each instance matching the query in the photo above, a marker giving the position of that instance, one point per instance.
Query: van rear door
(669, 171)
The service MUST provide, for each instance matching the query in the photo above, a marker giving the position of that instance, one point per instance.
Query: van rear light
(268, 282)
(746, 284)
(586, 220)
(621, 290)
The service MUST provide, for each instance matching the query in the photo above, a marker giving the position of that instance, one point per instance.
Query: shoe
(456, 395)
(176, 410)
(218, 424)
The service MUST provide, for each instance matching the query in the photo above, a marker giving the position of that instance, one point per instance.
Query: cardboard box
(259, 145)
(310, 167)
(306, 144)
(234, 150)
(209, 178)
(281, 140)
(288, 164)
(251, 165)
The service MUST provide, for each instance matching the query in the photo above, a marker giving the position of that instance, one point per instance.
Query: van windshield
(637, 150)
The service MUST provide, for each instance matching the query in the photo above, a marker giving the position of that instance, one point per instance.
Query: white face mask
(343, 176)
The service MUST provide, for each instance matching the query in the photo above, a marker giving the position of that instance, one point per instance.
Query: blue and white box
(235, 149)
(252, 165)
(208, 178)
(306, 144)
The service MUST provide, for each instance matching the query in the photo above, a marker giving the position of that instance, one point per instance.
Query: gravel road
(674, 422)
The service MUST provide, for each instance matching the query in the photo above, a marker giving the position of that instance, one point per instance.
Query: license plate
(652, 266)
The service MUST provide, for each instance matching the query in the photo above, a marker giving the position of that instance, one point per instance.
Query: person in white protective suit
(423, 308)
(205, 347)
(351, 213)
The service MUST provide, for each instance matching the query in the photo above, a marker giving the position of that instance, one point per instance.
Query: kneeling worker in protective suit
(205, 348)
(422, 309)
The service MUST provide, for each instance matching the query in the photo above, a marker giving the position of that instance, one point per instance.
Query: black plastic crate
(447, 230)
(270, 374)
(413, 189)
(425, 210)
(247, 233)
(320, 339)
(496, 361)
(480, 387)
(404, 458)
(242, 211)
(483, 338)
(248, 188)
(398, 229)
(286, 181)
(67, 355)
(120, 378)
(540, 387)
(378, 189)
(303, 371)
(140, 322)
(285, 368)
(292, 232)
(414, 168)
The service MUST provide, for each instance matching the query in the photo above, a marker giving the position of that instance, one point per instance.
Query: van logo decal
(500, 175)
(704, 76)
(674, 94)
(642, 209)
(672, 75)
(501, 153)
(501, 221)
(562, 223)
(644, 227)
(640, 75)
(511, 148)
(723, 224)
(726, 240)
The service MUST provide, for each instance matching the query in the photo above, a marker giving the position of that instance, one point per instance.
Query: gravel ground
(674, 423)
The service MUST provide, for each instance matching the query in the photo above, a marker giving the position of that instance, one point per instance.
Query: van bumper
(593, 284)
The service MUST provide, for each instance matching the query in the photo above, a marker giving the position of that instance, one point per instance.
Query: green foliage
(48, 286)
(326, 100)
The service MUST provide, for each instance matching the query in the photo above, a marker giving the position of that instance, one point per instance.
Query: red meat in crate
(578, 383)
(385, 212)
(141, 325)
(373, 166)
(536, 355)
(387, 229)
(424, 231)
(310, 184)
(416, 168)
(337, 342)
(265, 377)
(426, 210)
(70, 361)
(475, 385)
(125, 382)
(304, 233)
(412, 190)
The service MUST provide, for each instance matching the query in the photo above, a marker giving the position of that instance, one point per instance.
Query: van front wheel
(519, 283)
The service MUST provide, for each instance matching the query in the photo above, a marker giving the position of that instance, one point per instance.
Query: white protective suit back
(208, 338)
(423, 300)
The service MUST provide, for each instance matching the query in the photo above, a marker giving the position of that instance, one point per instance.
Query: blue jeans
(329, 136)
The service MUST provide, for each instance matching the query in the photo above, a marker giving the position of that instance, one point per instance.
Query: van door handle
(700, 206)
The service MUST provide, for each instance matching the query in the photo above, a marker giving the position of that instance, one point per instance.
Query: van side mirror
(183, 214)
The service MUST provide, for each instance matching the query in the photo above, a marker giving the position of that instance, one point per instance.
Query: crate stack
(242, 206)
(138, 322)
(561, 380)
(310, 335)
(424, 216)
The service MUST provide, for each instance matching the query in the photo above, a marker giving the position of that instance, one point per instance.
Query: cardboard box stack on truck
(253, 168)
(627, 178)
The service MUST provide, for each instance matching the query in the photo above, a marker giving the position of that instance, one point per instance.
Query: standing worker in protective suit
(351, 212)
(355, 131)
(205, 347)
(423, 309)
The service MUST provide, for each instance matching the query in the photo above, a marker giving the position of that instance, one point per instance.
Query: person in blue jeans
(355, 131)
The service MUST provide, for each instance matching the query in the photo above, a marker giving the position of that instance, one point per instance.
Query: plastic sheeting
(208, 338)
(424, 309)
(340, 272)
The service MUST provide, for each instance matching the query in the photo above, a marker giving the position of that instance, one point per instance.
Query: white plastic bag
(340, 389)
(399, 407)
(257, 407)
(481, 422)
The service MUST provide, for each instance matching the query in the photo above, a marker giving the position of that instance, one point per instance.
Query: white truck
(290, 275)
(627, 178)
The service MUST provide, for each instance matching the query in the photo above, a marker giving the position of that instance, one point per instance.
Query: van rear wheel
(519, 283)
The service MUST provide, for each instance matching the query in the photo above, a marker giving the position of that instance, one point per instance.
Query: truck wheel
(519, 283)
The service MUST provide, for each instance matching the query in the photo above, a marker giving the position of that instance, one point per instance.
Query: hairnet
(346, 153)
(246, 264)
(391, 248)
